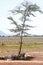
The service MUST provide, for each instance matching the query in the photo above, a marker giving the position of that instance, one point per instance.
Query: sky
(5, 24)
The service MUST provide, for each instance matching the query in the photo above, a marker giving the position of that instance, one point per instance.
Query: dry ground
(36, 53)
(21, 62)
(38, 60)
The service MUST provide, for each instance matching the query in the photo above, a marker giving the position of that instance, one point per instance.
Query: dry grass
(9, 45)
(16, 40)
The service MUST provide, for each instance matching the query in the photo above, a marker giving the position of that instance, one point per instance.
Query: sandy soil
(38, 56)
(37, 60)
(21, 62)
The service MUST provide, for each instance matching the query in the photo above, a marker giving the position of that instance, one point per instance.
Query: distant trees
(25, 10)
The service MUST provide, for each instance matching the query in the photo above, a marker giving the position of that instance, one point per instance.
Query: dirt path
(21, 62)
(38, 56)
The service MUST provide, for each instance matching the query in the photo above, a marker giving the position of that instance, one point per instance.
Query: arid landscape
(21, 33)
(31, 46)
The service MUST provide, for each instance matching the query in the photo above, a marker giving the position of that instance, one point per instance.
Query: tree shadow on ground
(17, 57)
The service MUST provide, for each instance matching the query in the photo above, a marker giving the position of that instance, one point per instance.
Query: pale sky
(6, 5)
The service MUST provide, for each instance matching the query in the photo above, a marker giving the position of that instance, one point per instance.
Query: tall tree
(26, 10)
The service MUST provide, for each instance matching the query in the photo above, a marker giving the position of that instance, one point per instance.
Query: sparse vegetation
(13, 42)
(25, 10)
(13, 49)
(26, 40)
(30, 45)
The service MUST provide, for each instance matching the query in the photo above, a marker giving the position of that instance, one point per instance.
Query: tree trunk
(20, 45)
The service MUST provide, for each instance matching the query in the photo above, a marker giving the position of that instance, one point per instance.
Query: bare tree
(26, 10)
